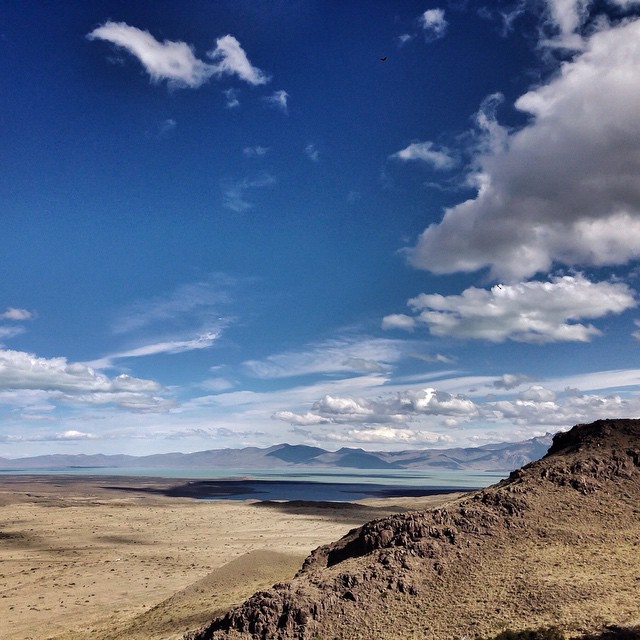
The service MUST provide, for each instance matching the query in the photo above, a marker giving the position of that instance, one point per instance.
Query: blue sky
(375, 224)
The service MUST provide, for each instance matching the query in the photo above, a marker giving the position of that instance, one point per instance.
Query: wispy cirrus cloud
(163, 130)
(10, 331)
(508, 381)
(257, 151)
(235, 192)
(14, 316)
(278, 100)
(175, 61)
(199, 302)
(202, 341)
(611, 379)
(346, 355)
(427, 152)
(191, 317)
(404, 39)
(231, 98)
(311, 151)
(217, 384)
(525, 312)
(440, 358)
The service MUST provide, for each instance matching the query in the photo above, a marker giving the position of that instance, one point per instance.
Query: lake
(309, 483)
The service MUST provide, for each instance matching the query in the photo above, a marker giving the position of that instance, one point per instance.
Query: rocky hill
(557, 543)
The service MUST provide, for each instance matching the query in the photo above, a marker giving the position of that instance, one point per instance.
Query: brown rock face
(558, 543)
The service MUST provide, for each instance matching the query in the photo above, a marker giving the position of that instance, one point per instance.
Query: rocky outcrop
(478, 563)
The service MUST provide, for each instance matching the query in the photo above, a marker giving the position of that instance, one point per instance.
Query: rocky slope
(556, 543)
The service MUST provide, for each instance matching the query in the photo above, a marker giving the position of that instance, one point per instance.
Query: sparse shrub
(553, 633)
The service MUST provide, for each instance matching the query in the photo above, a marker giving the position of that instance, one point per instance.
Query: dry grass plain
(79, 560)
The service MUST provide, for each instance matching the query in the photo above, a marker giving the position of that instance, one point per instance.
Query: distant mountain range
(505, 456)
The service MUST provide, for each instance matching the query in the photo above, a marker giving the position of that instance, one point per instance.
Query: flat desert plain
(94, 556)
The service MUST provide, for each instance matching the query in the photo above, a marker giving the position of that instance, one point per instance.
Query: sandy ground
(79, 559)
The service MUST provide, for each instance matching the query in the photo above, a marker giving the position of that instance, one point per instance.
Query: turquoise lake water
(310, 480)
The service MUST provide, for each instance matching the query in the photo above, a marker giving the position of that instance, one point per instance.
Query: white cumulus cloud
(13, 315)
(398, 321)
(400, 408)
(525, 312)
(430, 401)
(175, 62)
(229, 58)
(565, 18)
(433, 24)
(354, 409)
(16, 314)
(562, 189)
(537, 393)
(74, 382)
(542, 408)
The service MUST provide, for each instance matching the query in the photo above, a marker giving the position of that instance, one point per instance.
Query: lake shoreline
(286, 490)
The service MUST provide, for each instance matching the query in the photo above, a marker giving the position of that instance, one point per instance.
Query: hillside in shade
(557, 543)
(504, 456)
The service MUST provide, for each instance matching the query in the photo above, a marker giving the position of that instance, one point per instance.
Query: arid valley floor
(555, 544)
(79, 559)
